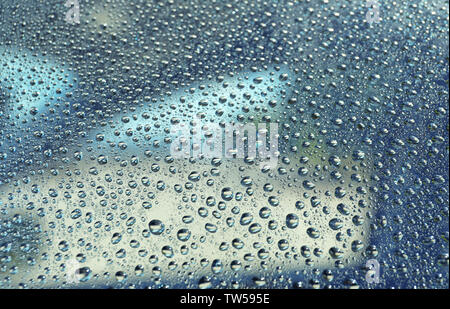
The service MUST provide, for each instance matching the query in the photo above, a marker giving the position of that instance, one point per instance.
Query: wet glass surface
(224, 144)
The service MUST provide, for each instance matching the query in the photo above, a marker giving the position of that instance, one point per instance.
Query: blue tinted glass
(224, 144)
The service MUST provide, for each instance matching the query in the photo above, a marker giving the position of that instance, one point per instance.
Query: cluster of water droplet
(87, 177)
